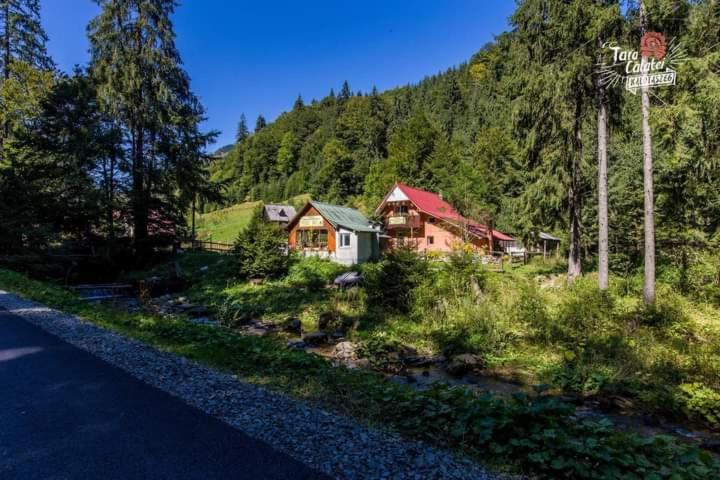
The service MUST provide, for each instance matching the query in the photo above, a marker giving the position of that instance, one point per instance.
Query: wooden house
(341, 234)
(280, 214)
(423, 221)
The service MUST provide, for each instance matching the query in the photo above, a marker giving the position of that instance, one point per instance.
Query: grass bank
(535, 434)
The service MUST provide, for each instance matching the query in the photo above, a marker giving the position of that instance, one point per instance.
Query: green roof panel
(344, 217)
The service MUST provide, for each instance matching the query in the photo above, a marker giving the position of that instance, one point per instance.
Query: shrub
(666, 312)
(541, 435)
(313, 272)
(261, 249)
(585, 312)
(530, 309)
(390, 285)
(700, 402)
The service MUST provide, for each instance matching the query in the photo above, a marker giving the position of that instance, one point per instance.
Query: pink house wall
(445, 237)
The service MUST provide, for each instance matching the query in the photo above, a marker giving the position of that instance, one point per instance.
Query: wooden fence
(216, 247)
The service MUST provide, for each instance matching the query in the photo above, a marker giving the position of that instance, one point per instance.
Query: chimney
(440, 195)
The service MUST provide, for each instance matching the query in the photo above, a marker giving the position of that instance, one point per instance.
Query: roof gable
(347, 217)
(433, 204)
(337, 216)
(279, 213)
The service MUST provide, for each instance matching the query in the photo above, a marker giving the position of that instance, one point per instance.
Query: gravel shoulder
(335, 445)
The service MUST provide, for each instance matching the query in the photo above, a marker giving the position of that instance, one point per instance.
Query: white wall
(346, 255)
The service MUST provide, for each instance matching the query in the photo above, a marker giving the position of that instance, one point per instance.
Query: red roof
(433, 205)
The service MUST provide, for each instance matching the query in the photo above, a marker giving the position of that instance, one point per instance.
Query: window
(344, 240)
(431, 240)
(312, 238)
(401, 210)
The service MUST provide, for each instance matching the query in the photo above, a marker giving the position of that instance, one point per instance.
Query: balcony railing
(402, 221)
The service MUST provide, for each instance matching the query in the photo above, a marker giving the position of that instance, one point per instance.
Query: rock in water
(345, 352)
(292, 325)
(315, 338)
(464, 363)
(324, 320)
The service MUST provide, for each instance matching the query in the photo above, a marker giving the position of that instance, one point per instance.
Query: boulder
(292, 325)
(324, 320)
(345, 352)
(315, 338)
(198, 311)
(296, 344)
(464, 363)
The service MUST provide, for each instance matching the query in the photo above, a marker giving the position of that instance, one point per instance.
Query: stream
(421, 377)
(644, 424)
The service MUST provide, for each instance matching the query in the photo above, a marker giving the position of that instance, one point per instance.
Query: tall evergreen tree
(553, 74)
(22, 46)
(607, 24)
(345, 92)
(648, 196)
(260, 123)
(141, 83)
(242, 130)
(23, 38)
(299, 104)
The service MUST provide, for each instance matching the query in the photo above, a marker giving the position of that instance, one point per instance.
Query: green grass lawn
(224, 225)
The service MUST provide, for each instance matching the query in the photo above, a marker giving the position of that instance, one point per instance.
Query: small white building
(341, 234)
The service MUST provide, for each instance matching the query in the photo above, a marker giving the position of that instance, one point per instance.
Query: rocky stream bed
(406, 366)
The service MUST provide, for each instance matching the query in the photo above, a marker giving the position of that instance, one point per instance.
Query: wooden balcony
(402, 221)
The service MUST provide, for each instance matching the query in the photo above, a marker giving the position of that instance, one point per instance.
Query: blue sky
(257, 56)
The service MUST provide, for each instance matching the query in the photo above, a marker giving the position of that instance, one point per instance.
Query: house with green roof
(341, 234)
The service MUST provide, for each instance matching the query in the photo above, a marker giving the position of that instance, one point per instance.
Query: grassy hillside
(223, 225)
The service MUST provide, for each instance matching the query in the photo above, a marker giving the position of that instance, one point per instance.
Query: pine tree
(553, 79)
(22, 46)
(649, 199)
(242, 130)
(260, 123)
(609, 19)
(345, 92)
(141, 83)
(23, 38)
(299, 104)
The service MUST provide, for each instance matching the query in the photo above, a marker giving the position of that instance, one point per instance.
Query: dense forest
(108, 158)
(111, 158)
(511, 135)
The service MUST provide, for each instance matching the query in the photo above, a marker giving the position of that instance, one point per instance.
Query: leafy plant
(261, 249)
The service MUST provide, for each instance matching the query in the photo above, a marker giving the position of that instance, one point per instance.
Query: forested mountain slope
(495, 135)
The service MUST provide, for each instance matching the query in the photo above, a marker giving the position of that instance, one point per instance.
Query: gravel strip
(323, 440)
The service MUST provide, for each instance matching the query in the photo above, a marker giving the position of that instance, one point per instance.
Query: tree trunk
(575, 200)
(192, 235)
(139, 206)
(649, 285)
(5, 127)
(603, 248)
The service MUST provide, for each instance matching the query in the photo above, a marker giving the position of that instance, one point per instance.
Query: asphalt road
(65, 414)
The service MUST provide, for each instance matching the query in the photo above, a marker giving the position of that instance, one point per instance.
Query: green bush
(390, 285)
(700, 402)
(261, 249)
(540, 434)
(313, 272)
(585, 313)
(531, 310)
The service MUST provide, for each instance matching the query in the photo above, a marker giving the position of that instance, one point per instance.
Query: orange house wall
(445, 236)
(292, 236)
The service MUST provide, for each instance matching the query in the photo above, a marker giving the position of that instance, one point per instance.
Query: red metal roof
(432, 204)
